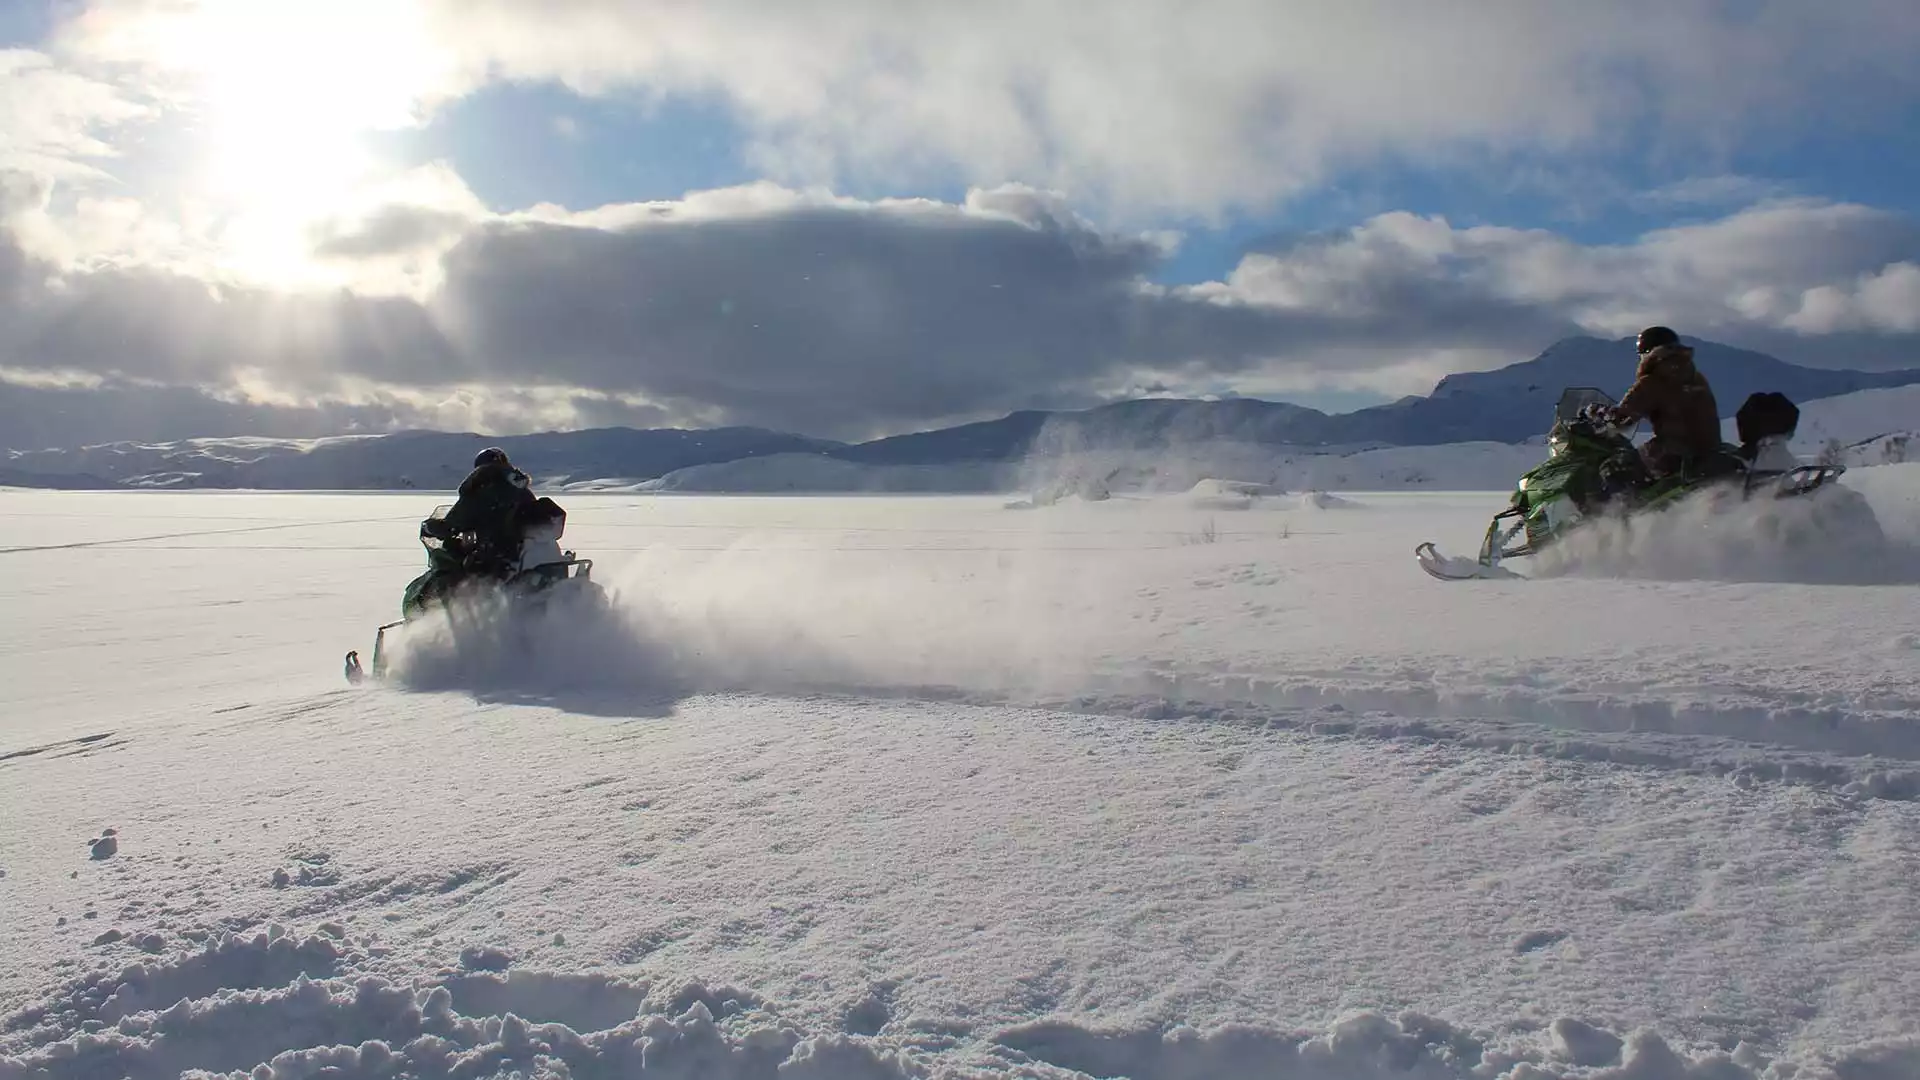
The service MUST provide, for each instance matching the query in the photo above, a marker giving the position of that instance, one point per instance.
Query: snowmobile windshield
(427, 539)
(1576, 398)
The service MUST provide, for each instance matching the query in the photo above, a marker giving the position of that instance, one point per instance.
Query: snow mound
(1321, 500)
(215, 1013)
(1245, 488)
(271, 1007)
(1212, 494)
(1371, 1046)
(1065, 489)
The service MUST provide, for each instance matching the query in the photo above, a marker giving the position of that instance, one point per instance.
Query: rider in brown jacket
(1669, 391)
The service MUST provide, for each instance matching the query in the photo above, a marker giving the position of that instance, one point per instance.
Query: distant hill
(60, 481)
(1870, 427)
(1511, 405)
(1124, 425)
(430, 460)
(1867, 427)
(42, 417)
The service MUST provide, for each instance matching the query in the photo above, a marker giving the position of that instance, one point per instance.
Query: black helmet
(1653, 337)
(492, 455)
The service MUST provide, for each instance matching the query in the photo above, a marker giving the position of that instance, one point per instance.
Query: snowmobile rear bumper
(356, 674)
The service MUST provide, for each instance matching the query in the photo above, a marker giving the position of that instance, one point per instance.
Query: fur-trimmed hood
(1671, 363)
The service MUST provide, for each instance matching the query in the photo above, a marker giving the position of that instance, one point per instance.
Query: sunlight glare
(286, 95)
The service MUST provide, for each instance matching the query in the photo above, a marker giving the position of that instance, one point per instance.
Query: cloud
(1715, 191)
(1806, 266)
(1157, 106)
(53, 119)
(812, 312)
(40, 410)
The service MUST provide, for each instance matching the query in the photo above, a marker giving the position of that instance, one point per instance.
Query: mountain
(1508, 405)
(59, 481)
(1867, 427)
(38, 417)
(1143, 424)
(408, 459)
(1171, 436)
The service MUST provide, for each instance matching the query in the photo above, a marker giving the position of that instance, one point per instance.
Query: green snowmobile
(462, 564)
(1593, 471)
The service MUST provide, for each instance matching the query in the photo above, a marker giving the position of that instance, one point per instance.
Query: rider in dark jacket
(1669, 391)
(496, 501)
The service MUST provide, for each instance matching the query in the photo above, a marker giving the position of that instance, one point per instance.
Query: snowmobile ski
(1458, 568)
(355, 673)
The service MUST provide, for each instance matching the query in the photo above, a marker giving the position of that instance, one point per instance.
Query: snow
(1462, 466)
(919, 786)
(1863, 420)
(1866, 420)
(813, 473)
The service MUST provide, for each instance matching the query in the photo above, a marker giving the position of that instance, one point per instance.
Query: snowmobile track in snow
(85, 742)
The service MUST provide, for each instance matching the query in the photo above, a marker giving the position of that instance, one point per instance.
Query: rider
(496, 500)
(1669, 391)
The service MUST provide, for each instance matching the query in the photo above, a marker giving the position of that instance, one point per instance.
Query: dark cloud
(848, 319)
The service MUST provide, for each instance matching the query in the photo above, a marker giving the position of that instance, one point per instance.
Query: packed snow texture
(919, 786)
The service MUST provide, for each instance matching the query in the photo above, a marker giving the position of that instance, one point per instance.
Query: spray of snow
(1046, 609)
(752, 619)
(1831, 536)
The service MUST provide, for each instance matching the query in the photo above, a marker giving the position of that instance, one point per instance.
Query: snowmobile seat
(1766, 414)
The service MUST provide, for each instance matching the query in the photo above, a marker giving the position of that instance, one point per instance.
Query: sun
(282, 97)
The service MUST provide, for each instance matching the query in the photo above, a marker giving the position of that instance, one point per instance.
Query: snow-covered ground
(1174, 787)
(1455, 467)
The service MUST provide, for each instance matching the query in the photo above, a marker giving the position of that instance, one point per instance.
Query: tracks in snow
(1748, 735)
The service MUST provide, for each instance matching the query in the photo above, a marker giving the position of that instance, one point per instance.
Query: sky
(849, 218)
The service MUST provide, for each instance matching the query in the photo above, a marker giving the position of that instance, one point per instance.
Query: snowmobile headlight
(1557, 442)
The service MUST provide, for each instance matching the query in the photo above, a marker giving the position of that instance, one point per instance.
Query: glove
(437, 528)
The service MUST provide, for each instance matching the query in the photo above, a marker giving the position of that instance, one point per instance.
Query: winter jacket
(1670, 393)
(494, 501)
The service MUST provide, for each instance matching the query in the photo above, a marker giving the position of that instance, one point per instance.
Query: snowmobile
(1593, 471)
(466, 564)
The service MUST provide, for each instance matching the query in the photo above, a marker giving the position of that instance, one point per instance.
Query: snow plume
(497, 647)
(1833, 536)
(767, 615)
(1002, 618)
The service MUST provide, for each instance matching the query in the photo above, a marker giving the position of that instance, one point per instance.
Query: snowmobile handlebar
(1607, 421)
